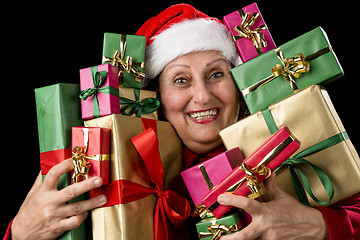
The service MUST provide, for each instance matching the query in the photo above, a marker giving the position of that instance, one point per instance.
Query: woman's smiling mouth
(203, 116)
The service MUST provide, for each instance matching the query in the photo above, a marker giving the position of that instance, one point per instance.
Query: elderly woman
(188, 60)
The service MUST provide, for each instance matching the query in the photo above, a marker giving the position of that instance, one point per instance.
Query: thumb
(272, 188)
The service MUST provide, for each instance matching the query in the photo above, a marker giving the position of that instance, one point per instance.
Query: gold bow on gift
(216, 230)
(81, 165)
(252, 180)
(292, 68)
(127, 65)
(80, 157)
(245, 31)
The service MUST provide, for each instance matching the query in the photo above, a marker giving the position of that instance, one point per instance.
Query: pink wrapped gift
(99, 87)
(201, 178)
(249, 32)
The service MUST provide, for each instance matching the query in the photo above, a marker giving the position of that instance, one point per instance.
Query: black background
(48, 43)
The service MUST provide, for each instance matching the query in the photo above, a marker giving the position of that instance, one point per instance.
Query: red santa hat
(181, 29)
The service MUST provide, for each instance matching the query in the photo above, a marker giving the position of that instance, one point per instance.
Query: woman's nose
(201, 93)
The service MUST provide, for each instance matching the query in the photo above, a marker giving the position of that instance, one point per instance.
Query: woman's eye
(217, 75)
(180, 81)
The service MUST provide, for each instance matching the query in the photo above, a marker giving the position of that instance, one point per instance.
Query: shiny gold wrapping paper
(134, 220)
(129, 93)
(311, 117)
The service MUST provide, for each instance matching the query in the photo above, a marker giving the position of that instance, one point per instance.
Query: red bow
(168, 205)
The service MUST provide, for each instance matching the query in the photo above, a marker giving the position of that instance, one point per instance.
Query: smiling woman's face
(199, 98)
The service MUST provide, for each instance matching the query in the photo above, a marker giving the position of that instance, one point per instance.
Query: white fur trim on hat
(185, 37)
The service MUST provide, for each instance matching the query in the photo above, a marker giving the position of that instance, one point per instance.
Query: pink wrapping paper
(108, 104)
(245, 46)
(217, 168)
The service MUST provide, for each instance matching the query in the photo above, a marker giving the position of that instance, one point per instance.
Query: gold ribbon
(245, 31)
(260, 169)
(79, 157)
(252, 179)
(292, 68)
(127, 65)
(216, 230)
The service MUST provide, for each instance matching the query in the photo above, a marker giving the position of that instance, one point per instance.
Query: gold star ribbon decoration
(245, 31)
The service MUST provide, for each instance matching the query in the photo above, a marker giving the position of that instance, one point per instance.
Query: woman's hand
(45, 215)
(283, 217)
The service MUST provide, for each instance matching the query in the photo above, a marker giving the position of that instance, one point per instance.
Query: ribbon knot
(217, 230)
(245, 31)
(293, 67)
(98, 79)
(137, 107)
(159, 192)
(252, 179)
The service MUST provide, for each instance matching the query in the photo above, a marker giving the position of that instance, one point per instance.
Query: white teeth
(205, 114)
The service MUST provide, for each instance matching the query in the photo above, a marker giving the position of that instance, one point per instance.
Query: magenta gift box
(200, 178)
(107, 94)
(245, 46)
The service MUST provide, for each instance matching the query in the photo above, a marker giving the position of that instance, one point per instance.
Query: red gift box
(257, 167)
(93, 144)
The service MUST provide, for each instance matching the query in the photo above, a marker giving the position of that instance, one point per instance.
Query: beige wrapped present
(135, 219)
(311, 117)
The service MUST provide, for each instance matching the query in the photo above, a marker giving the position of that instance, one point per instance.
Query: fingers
(72, 222)
(53, 176)
(76, 189)
(78, 208)
(248, 233)
(37, 184)
(249, 205)
(272, 188)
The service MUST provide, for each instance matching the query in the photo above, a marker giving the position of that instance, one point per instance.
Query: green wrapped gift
(301, 62)
(127, 53)
(58, 110)
(212, 228)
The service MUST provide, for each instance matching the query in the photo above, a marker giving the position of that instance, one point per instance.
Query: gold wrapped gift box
(311, 117)
(134, 220)
(145, 103)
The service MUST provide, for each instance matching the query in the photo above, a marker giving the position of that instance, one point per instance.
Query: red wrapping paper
(282, 136)
(98, 144)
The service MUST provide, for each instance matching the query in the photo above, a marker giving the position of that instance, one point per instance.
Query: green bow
(146, 106)
(98, 79)
(294, 162)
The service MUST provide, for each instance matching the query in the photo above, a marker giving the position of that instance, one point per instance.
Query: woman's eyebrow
(216, 60)
(168, 67)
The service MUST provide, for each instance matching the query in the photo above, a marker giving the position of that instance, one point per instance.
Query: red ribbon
(168, 205)
(51, 158)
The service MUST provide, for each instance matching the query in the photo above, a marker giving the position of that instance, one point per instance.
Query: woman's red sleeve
(343, 218)
(8, 232)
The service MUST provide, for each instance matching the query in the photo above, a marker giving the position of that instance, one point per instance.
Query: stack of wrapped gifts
(109, 126)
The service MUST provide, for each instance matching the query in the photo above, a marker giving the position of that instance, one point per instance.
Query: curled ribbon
(245, 31)
(137, 107)
(81, 165)
(252, 179)
(126, 64)
(216, 230)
